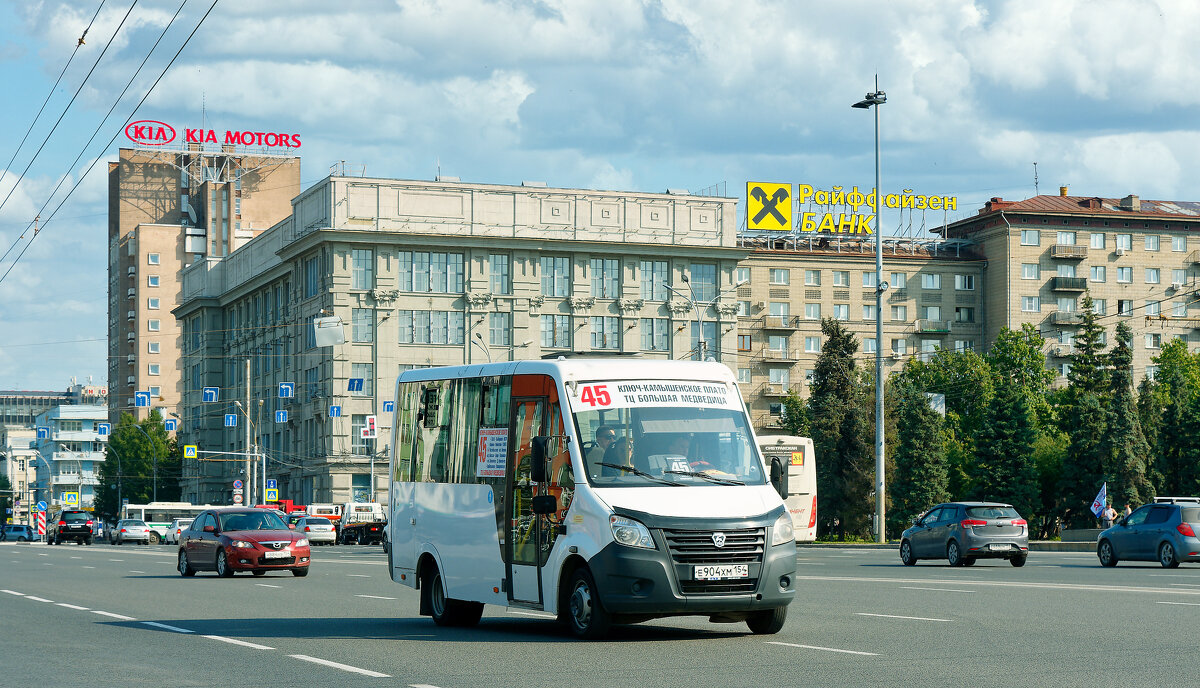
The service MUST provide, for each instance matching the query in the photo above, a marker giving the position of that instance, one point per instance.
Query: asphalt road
(122, 616)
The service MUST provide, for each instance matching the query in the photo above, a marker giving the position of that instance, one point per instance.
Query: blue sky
(614, 94)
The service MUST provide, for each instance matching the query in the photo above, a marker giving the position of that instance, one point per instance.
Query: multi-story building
(431, 273)
(168, 209)
(1137, 259)
(71, 452)
(19, 408)
(17, 460)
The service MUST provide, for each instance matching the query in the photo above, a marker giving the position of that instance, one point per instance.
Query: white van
(601, 490)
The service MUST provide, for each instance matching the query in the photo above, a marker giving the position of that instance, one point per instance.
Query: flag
(1101, 500)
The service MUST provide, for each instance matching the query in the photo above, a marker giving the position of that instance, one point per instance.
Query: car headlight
(783, 531)
(630, 533)
(302, 542)
(245, 544)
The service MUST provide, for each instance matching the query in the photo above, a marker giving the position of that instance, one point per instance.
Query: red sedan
(232, 539)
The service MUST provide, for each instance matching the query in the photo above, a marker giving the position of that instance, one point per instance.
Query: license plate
(276, 555)
(720, 572)
(1000, 547)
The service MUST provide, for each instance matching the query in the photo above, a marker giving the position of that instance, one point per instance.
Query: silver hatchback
(318, 530)
(963, 532)
(130, 530)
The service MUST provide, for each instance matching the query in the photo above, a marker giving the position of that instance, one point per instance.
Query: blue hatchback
(1165, 533)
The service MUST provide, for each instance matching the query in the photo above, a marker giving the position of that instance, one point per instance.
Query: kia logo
(149, 132)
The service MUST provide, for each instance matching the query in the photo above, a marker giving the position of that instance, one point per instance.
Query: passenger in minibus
(619, 453)
(605, 436)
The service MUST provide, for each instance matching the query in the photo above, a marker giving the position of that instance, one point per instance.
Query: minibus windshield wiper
(640, 472)
(706, 476)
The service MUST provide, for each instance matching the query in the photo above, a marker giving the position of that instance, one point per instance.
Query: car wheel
(1166, 556)
(22, 538)
(259, 572)
(953, 554)
(223, 568)
(299, 573)
(1106, 553)
(88, 542)
(768, 621)
(185, 569)
(1019, 560)
(586, 613)
(117, 542)
(906, 553)
(154, 539)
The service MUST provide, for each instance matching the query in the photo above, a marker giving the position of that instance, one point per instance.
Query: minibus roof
(584, 368)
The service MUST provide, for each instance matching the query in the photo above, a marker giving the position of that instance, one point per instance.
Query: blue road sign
(335, 411)
(356, 384)
(104, 429)
(237, 484)
(189, 451)
(43, 433)
(141, 399)
(272, 495)
(281, 416)
(272, 483)
(211, 394)
(389, 406)
(287, 390)
(231, 420)
(170, 424)
(41, 506)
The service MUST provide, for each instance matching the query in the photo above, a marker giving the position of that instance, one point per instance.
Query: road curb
(1035, 546)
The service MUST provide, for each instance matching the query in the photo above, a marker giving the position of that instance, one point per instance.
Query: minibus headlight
(630, 533)
(783, 532)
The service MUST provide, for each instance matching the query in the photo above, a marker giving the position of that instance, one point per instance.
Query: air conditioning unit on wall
(1122, 251)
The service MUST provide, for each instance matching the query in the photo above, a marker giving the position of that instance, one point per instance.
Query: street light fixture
(873, 101)
(690, 297)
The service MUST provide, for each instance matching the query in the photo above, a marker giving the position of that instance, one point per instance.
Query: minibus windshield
(653, 433)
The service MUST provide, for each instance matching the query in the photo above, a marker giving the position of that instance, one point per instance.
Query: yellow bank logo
(768, 206)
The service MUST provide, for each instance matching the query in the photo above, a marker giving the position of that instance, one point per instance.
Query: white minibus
(599, 489)
(793, 466)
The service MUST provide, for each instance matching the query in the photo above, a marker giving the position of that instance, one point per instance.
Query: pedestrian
(1107, 517)
(1128, 509)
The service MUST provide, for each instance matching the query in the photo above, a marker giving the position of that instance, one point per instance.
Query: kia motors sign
(153, 133)
(149, 132)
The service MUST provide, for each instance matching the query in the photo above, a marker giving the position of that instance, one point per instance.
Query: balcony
(1068, 284)
(775, 391)
(1066, 318)
(76, 479)
(779, 356)
(1072, 252)
(933, 326)
(789, 323)
(1061, 351)
(1193, 257)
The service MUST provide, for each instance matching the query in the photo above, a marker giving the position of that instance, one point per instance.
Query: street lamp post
(873, 101)
(690, 297)
(252, 451)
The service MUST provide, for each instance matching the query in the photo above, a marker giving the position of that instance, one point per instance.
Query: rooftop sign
(149, 132)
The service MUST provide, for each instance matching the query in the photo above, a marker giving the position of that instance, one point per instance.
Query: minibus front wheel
(768, 621)
(586, 614)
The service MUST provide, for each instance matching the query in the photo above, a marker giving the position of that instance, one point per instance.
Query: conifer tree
(920, 479)
(1005, 450)
(1126, 454)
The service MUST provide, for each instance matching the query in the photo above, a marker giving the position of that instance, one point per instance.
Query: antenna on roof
(1035, 181)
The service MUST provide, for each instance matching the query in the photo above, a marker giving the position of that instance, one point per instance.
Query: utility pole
(249, 481)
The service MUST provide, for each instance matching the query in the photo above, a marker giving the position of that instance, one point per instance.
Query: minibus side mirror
(779, 477)
(537, 462)
(544, 505)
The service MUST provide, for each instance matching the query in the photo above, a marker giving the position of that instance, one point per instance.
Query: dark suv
(72, 525)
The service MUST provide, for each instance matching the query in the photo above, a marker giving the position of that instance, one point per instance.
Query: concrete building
(72, 450)
(168, 209)
(431, 273)
(17, 462)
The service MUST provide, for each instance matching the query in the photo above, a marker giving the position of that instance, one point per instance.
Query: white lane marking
(1187, 604)
(375, 597)
(72, 606)
(166, 627)
(137, 571)
(1006, 584)
(1187, 585)
(839, 556)
(894, 616)
(43, 554)
(76, 557)
(46, 563)
(357, 575)
(908, 587)
(37, 599)
(235, 641)
(14, 592)
(827, 649)
(115, 616)
(809, 563)
(89, 567)
(266, 585)
(116, 560)
(534, 614)
(421, 685)
(343, 667)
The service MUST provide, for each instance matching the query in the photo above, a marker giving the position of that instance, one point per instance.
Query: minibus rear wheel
(446, 611)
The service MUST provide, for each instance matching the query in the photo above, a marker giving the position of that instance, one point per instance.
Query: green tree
(842, 436)
(1083, 466)
(1126, 454)
(1089, 369)
(1005, 450)
(795, 415)
(138, 461)
(920, 479)
(6, 499)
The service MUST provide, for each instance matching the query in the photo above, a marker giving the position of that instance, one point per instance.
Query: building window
(928, 348)
(152, 369)
(1178, 276)
(155, 391)
(869, 312)
(778, 376)
(743, 342)
(154, 325)
(1064, 369)
(358, 443)
(1097, 273)
(812, 311)
(606, 332)
(1178, 243)
(1152, 276)
(1031, 304)
(932, 312)
(812, 345)
(1124, 306)
(362, 264)
(1097, 240)
(1066, 304)
(1100, 306)
(1124, 275)
(775, 409)
(961, 345)
(964, 314)
(779, 276)
(556, 276)
(812, 278)
(868, 345)
(1154, 340)
(1153, 308)
(152, 259)
(703, 281)
(1030, 271)
(1031, 237)
(655, 334)
(841, 311)
(499, 278)
(778, 344)
(1151, 242)
(1152, 371)
(779, 309)
(431, 327)
(743, 309)
(744, 375)
(869, 281)
(365, 372)
(1066, 270)
(606, 278)
(900, 346)
(655, 279)
(152, 304)
(1179, 309)
(900, 313)
(425, 272)
(931, 281)
(556, 330)
(808, 375)
(1125, 241)
(151, 280)
(362, 325)
(312, 276)
(153, 347)
(743, 275)
(841, 278)
(964, 282)
(899, 280)
(1066, 238)
(500, 329)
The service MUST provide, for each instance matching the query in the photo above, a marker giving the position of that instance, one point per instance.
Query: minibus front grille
(742, 546)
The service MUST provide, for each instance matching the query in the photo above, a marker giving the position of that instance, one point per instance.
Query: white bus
(793, 466)
(158, 515)
(601, 490)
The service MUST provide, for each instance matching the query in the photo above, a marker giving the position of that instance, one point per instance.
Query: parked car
(176, 528)
(130, 530)
(17, 533)
(1163, 532)
(319, 531)
(963, 532)
(72, 525)
(231, 539)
